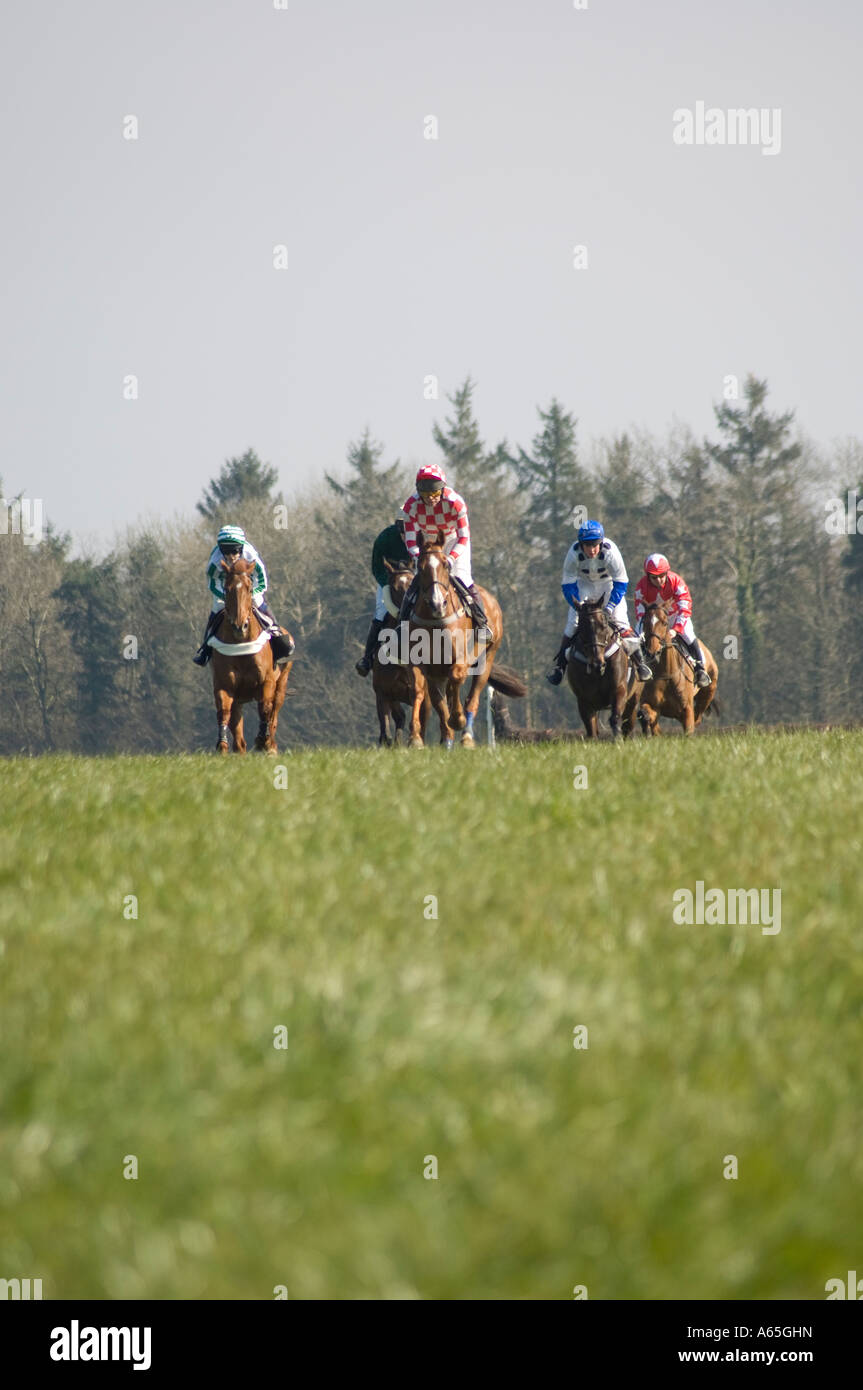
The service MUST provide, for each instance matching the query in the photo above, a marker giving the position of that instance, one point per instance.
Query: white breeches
(619, 614)
(461, 568)
(380, 606)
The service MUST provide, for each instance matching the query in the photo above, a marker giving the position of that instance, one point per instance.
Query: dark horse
(597, 667)
(394, 685)
(248, 673)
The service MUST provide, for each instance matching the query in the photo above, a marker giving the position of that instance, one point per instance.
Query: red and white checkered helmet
(430, 478)
(656, 566)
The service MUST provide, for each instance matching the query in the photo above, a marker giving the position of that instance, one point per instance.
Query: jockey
(435, 507)
(660, 583)
(230, 542)
(390, 545)
(594, 569)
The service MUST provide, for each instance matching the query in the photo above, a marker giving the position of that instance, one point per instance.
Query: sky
(409, 257)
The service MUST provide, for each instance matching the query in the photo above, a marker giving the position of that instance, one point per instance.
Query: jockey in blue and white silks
(231, 543)
(594, 569)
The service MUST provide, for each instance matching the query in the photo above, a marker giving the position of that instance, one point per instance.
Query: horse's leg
(649, 720)
(688, 719)
(588, 718)
(457, 717)
(224, 701)
(398, 716)
(617, 701)
(278, 700)
(438, 693)
(384, 708)
(237, 727)
(419, 712)
(477, 686)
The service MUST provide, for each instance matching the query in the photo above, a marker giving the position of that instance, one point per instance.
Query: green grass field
(411, 1036)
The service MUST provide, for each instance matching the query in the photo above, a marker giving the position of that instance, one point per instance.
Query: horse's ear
(440, 538)
(224, 564)
(422, 543)
(390, 569)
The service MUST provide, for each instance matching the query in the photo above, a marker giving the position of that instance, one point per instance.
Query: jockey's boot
(555, 675)
(283, 647)
(701, 677)
(639, 664)
(480, 621)
(203, 654)
(366, 661)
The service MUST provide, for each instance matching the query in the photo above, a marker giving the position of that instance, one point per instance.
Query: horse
(249, 673)
(449, 651)
(395, 685)
(597, 668)
(672, 692)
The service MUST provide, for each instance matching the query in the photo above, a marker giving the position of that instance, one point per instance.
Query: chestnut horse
(245, 675)
(597, 668)
(672, 692)
(441, 624)
(395, 685)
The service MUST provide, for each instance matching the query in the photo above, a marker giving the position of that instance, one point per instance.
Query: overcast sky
(407, 256)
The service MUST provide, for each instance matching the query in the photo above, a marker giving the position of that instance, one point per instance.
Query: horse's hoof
(467, 740)
(449, 744)
(222, 748)
(416, 743)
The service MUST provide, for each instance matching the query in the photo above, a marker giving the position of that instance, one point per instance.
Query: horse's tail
(714, 708)
(507, 682)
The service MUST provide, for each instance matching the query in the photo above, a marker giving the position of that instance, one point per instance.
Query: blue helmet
(591, 531)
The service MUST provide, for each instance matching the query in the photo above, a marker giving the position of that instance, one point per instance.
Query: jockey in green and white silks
(231, 542)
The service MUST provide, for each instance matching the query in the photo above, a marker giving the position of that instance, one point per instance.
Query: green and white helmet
(231, 537)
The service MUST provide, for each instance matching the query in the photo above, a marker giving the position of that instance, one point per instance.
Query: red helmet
(656, 567)
(430, 478)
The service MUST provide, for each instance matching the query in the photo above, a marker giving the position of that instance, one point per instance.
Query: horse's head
(655, 630)
(433, 572)
(400, 575)
(237, 585)
(595, 633)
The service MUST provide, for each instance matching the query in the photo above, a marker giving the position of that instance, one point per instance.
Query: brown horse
(397, 685)
(672, 692)
(246, 675)
(597, 668)
(442, 630)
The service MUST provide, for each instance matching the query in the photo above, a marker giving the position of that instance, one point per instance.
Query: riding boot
(204, 652)
(639, 665)
(555, 675)
(283, 647)
(701, 677)
(480, 621)
(366, 661)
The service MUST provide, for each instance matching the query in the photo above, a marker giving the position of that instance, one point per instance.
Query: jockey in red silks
(660, 583)
(435, 507)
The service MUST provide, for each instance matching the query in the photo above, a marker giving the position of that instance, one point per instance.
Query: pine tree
(241, 481)
(554, 484)
(763, 523)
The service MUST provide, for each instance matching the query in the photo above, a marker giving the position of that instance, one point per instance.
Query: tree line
(95, 652)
